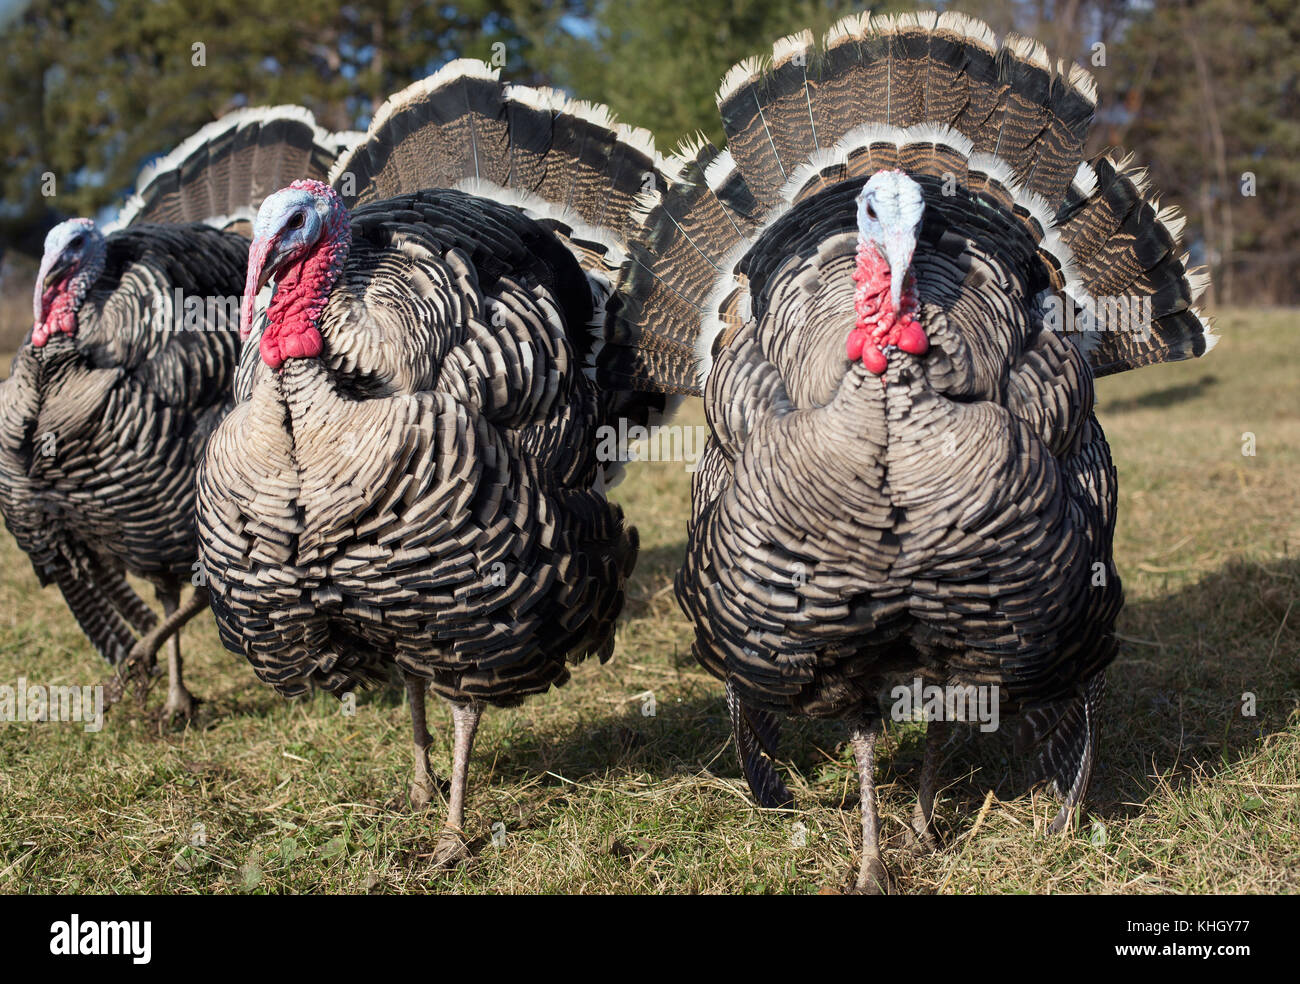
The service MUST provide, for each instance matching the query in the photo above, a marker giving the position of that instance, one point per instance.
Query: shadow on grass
(1192, 663)
(1174, 710)
(656, 567)
(1167, 397)
(1173, 715)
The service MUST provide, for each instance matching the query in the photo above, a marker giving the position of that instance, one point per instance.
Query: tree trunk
(1215, 130)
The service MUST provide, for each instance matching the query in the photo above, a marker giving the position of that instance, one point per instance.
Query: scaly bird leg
(142, 654)
(180, 702)
(872, 879)
(936, 733)
(451, 844)
(422, 785)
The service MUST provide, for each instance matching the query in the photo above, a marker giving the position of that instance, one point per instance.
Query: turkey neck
(60, 302)
(333, 436)
(58, 359)
(311, 402)
(301, 293)
(879, 327)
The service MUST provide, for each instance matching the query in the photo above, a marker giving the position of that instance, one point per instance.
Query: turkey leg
(180, 702)
(451, 844)
(936, 733)
(422, 785)
(142, 654)
(872, 879)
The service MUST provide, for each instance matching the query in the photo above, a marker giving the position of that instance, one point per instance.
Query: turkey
(409, 481)
(128, 367)
(907, 280)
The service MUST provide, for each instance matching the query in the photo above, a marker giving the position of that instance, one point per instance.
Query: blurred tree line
(1205, 92)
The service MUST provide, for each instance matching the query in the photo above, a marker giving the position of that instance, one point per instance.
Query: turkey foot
(140, 676)
(451, 849)
(180, 702)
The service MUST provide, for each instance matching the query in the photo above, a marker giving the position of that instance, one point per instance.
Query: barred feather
(954, 517)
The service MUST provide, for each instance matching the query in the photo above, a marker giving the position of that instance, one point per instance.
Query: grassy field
(581, 791)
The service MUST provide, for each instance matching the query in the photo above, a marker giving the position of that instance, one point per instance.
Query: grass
(580, 791)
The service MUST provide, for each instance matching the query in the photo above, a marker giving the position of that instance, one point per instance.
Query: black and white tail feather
(1064, 738)
(758, 735)
(567, 164)
(932, 93)
(220, 174)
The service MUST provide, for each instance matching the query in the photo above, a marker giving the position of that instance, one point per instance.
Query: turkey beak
(53, 266)
(899, 247)
(56, 268)
(261, 267)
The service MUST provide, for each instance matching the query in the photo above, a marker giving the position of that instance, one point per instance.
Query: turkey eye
(76, 242)
(871, 212)
(297, 221)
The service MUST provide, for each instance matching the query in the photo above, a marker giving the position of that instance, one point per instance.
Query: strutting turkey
(410, 477)
(894, 263)
(129, 365)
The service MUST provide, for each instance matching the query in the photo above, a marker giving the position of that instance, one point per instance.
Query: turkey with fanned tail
(907, 279)
(410, 479)
(128, 367)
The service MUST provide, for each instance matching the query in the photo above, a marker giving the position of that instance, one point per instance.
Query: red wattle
(879, 326)
(874, 359)
(301, 294)
(59, 313)
(853, 347)
(911, 337)
(304, 343)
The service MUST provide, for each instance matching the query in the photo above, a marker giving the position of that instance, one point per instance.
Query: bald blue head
(71, 237)
(292, 219)
(73, 250)
(305, 220)
(890, 210)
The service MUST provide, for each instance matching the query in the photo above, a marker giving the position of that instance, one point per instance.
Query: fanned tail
(706, 216)
(565, 163)
(940, 69)
(1127, 251)
(221, 174)
(1064, 738)
(936, 95)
